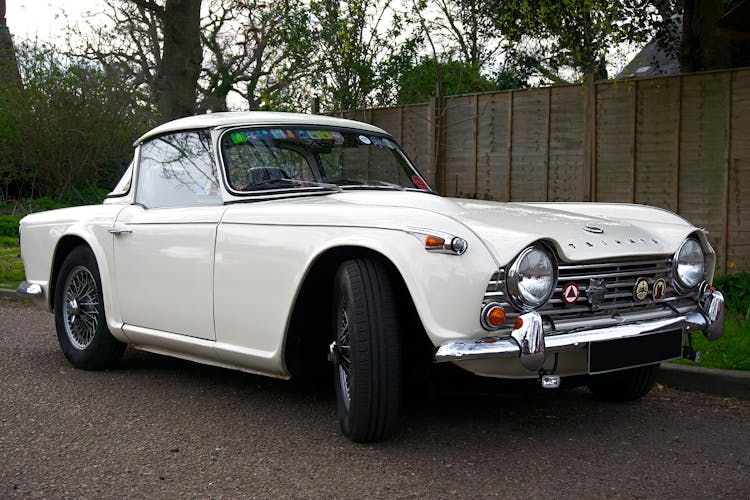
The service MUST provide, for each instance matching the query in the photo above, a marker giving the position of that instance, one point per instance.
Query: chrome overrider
(529, 343)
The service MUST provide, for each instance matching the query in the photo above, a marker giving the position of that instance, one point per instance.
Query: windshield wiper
(297, 182)
(368, 184)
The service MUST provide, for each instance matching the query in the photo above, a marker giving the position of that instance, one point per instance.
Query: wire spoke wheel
(80, 314)
(81, 326)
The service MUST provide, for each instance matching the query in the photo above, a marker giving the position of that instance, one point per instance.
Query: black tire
(625, 385)
(366, 351)
(81, 326)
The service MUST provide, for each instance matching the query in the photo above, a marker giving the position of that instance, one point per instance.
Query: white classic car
(276, 243)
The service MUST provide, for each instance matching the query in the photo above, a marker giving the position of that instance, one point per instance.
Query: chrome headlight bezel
(687, 279)
(518, 294)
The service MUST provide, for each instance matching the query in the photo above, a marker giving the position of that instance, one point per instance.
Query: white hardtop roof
(238, 118)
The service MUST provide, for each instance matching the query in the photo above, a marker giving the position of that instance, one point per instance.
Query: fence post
(436, 137)
(589, 137)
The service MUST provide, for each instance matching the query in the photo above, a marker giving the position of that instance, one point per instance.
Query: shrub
(736, 290)
(69, 130)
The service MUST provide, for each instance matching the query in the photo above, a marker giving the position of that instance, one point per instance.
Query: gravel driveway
(161, 427)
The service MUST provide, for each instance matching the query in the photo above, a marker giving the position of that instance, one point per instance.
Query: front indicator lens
(432, 242)
(689, 264)
(531, 278)
(493, 316)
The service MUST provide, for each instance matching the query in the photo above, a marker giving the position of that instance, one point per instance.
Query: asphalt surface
(160, 427)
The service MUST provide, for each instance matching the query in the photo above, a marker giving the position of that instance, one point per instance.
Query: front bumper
(529, 344)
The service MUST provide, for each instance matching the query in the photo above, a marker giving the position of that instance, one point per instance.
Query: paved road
(159, 427)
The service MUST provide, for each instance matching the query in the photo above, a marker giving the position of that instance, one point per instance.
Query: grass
(11, 267)
(730, 352)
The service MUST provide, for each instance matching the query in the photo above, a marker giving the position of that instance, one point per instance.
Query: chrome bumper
(32, 291)
(28, 290)
(529, 343)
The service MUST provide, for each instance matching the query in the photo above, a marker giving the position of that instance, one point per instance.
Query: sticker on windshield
(238, 137)
(419, 182)
(364, 139)
(277, 133)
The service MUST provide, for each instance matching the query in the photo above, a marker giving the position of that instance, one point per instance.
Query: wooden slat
(567, 179)
(529, 153)
(492, 146)
(738, 209)
(703, 137)
(415, 139)
(459, 144)
(615, 141)
(657, 137)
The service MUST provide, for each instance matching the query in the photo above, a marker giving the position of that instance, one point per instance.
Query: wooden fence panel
(567, 180)
(657, 142)
(415, 138)
(680, 142)
(529, 142)
(615, 142)
(738, 209)
(704, 113)
(460, 147)
(493, 161)
(388, 119)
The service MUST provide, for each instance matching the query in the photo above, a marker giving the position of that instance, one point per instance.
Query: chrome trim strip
(566, 267)
(620, 274)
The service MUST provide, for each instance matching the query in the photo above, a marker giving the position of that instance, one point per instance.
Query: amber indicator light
(431, 241)
(496, 316)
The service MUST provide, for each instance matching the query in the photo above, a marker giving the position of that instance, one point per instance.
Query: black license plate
(643, 350)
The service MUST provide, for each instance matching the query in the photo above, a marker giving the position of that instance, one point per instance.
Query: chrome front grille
(618, 304)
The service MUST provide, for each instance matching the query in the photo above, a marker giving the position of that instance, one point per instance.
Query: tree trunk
(177, 76)
(9, 74)
(702, 48)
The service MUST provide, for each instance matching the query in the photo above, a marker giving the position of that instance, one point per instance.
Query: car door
(164, 242)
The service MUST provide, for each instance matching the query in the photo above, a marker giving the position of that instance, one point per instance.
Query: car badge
(570, 293)
(596, 292)
(640, 290)
(593, 229)
(660, 289)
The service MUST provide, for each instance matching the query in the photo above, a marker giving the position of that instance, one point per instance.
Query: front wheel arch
(308, 335)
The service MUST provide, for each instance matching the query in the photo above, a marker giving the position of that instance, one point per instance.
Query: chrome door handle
(119, 230)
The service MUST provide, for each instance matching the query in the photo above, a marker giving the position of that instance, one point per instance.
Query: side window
(177, 170)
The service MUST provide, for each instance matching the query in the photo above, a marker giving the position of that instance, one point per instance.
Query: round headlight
(531, 278)
(689, 264)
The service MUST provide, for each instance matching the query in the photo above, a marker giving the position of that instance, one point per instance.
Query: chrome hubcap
(80, 307)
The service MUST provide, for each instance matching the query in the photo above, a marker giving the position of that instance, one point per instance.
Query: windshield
(262, 159)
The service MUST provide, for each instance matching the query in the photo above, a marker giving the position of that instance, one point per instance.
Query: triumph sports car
(281, 243)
